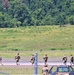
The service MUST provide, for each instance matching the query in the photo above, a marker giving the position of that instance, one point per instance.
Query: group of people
(64, 59)
(45, 69)
(45, 58)
(71, 59)
(17, 58)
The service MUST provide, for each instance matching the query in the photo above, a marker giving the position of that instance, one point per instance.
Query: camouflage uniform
(64, 60)
(72, 60)
(32, 59)
(17, 58)
(1, 60)
(45, 58)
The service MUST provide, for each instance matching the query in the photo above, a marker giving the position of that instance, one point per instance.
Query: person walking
(1, 60)
(17, 58)
(32, 59)
(64, 59)
(45, 70)
(71, 59)
(45, 58)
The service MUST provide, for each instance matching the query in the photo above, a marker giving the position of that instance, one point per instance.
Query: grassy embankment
(37, 38)
(40, 38)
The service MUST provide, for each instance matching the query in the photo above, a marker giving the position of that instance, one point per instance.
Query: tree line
(15, 13)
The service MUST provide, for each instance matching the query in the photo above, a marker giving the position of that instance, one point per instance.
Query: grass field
(27, 54)
(20, 70)
(37, 38)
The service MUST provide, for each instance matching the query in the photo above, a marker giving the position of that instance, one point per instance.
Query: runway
(39, 63)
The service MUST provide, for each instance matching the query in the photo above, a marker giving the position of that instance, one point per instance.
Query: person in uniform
(64, 60)
(45, 70)
(71, 60)
(45, 58)
(17, 58)
(32, 59)
(1, 60)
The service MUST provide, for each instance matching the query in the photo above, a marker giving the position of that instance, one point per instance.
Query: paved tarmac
(29, 63)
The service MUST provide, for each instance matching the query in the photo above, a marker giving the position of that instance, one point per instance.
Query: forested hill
(14, 13)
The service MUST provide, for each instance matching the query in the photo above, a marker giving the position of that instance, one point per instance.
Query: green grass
(15, 70)
(27, 54)
(20, 70)
(37, 38)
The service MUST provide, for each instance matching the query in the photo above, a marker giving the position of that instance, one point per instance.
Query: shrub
(53, 48)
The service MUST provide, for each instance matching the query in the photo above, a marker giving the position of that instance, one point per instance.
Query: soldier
(1, 60)
(71, 60)
(45, 58)
(17, 58)
(45, 70)
(64, 60)
(32, 59)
